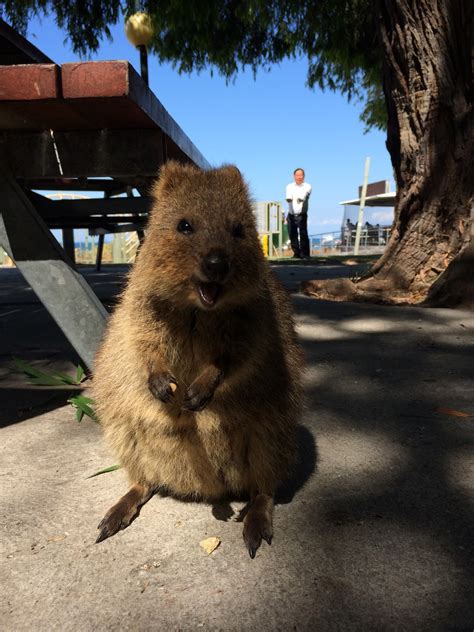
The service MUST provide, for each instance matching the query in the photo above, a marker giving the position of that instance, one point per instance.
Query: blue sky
(267, 126)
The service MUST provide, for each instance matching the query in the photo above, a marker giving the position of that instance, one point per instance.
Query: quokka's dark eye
(184, 227)
(238, 231)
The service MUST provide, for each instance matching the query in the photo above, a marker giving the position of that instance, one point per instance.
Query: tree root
(454, 288)
(371, 290)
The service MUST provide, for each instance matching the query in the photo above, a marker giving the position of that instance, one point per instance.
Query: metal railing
(373, 240)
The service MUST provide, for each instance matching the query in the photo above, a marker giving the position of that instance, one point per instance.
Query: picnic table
(82, 126)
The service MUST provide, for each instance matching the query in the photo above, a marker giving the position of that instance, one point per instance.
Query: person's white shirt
(298, 195)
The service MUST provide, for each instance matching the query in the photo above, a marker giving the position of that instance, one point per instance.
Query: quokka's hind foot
(258, 523)
(123, 513)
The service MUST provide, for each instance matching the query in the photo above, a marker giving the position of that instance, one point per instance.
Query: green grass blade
(46, 380)
(80, 374)
(87, 410)
(80, 402)
(105, 470)
(83, 399)
(40, 378)
(29, 370)
(67, 379)
(23, 367)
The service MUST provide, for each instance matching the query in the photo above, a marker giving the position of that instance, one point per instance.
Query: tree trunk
(427, 48)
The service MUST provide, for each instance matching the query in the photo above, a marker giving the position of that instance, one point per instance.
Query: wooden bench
(92, 126)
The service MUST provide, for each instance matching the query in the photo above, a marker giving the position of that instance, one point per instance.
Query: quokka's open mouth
(209, 293)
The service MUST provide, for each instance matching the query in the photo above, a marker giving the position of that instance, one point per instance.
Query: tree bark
(427, 48)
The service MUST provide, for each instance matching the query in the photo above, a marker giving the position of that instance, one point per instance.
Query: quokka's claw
(162, 387)
(102, 536)
(267, 537)
(108, 528)
(195, 404)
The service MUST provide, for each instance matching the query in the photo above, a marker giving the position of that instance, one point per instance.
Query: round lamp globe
(139, 29)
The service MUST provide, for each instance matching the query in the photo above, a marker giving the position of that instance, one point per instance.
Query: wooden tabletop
(102, 95)
(88, 126)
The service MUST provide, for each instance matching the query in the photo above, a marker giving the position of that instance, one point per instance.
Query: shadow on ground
(378, 385)
(374, 531)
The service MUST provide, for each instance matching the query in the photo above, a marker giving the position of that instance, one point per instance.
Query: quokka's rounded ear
(231, 170)
(171, 174)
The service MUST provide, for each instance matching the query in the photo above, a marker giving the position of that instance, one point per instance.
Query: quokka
(198, 380)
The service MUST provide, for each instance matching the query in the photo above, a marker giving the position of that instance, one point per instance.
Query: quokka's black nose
(216, 266)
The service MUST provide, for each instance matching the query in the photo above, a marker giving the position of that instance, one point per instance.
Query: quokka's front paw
(197, 397)
(162, 386)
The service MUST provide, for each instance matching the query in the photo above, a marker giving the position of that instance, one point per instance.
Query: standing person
(297, 195)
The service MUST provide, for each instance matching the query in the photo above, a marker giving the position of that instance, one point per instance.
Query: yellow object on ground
(210, 544)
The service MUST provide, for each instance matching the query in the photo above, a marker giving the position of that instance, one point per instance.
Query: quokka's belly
(200, 460)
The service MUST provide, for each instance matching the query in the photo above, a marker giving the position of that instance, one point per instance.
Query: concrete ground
(374, 532)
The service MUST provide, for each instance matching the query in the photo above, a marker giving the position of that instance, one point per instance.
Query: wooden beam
(97, 222)
(31, 99)
(31, 115)
(117, 228)
(73, 209)
(101, 153)
(31, 82)
(111, 186)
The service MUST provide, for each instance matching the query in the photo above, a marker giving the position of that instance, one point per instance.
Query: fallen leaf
(56, 538)
(453, 413)
(210, 544)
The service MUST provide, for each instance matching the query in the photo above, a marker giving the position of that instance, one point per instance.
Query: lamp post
(139, 32)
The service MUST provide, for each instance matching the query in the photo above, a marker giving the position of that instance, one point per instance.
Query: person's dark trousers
(298, 225)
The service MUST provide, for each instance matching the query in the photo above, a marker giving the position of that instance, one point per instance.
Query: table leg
(47, 269)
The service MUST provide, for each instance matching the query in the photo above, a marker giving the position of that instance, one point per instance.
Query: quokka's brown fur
(198, 380)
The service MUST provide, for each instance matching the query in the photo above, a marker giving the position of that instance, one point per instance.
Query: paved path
(374, 533)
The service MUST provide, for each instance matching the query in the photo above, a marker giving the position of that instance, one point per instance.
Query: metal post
(100, 251)
(68, 243)
(86, 244)
(269, 231)
(362, 205)
(280, 231)
(143, 62)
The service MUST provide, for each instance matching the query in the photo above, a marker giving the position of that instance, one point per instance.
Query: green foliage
(85, 21)
(40, 378)
(80, 374)
(374, 113)
(338, 37)
(81, 403)
(83, 406)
